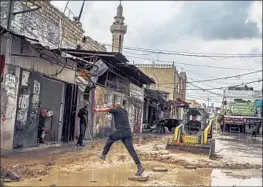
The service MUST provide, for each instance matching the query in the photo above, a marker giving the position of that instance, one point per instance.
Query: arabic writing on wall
(31, 24)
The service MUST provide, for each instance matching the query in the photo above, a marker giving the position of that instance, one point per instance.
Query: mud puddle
(236, 177)
(176, 176)
(118, 176)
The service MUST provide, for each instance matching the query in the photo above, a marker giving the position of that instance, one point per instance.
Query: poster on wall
(31, 24)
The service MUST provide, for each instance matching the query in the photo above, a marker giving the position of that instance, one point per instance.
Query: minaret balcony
(118, 28)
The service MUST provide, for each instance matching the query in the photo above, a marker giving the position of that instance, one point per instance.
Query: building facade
(169, 80)
(48, 25)
(194, 104)
(35, 78)
(122, 83)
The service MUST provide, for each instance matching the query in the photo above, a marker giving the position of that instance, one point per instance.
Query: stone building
(48, 25)
(118, 30)
(34, 78)
(167, 79)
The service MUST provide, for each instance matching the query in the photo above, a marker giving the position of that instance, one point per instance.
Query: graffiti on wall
(23, 102)
(8, 93)
(131, 116)
(36, 93)
(31, 24)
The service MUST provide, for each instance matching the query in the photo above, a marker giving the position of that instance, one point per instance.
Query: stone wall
(72, 32)
(164, 76)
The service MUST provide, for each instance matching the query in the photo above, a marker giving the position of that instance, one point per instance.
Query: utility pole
(208, 99)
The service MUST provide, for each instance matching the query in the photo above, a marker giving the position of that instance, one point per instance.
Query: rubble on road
(160, 169)
(190, 167)
(8, 173)
(139, 178)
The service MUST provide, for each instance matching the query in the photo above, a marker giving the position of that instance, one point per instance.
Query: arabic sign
(31, 24)
(241, 109)
(232, 120)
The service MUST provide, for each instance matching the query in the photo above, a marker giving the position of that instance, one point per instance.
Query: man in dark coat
(83, 115)
(123, 132)
(254, 130)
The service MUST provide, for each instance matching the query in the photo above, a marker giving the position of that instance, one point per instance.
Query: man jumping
(123, 133)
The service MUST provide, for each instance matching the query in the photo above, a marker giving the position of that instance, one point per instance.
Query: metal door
(27, 117)
(70, 106)
(52, 99)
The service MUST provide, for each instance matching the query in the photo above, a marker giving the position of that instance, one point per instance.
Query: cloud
(209, 20)
(201, 27)
(255, 14)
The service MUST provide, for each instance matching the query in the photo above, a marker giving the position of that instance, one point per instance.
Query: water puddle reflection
(176, 176)
(236, 177)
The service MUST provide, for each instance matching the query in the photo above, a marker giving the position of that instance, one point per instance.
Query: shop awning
(81, 82)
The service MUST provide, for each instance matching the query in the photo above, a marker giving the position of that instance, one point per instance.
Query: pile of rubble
(7, 175)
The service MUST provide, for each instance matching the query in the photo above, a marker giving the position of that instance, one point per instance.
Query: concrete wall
(9, 94)
(103, 123)
(25, 56)
(163, 76)
(11, 79)
(48, 25)
(72, 32)
(135, 108)
(167, 79)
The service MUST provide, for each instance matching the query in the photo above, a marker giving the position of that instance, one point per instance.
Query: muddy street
(67, 166)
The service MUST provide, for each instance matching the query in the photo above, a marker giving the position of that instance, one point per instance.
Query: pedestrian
(83, 115)
(122, 132)
(42, 130)
(254, 130)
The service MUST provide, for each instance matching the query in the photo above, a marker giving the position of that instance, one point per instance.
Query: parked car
(171, 124)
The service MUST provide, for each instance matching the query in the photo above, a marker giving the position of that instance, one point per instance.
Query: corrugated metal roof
(114, 59)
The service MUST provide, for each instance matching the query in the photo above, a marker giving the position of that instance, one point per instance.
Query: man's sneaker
(140, 170)
(102, 157)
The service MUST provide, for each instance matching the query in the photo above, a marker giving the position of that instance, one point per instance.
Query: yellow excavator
(194, 134)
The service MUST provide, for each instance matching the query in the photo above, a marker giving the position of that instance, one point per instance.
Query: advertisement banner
(242, 109)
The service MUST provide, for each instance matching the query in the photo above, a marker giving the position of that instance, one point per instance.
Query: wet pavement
(238, 162)
(240, 148)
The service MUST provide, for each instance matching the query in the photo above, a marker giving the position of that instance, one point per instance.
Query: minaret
(118, 29)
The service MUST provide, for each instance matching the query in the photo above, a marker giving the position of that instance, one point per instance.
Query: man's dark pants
(126, 137)
(82, 130)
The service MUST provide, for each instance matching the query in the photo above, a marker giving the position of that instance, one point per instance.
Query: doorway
(27, 115)
(52, 99)
(69, 118)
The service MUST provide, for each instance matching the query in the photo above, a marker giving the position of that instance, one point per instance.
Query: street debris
(139, 178)
(190, 167)
(8, 173)
(160, 169)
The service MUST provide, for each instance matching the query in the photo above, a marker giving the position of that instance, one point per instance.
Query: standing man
(83, 115)
(254, 130)
(123, 133)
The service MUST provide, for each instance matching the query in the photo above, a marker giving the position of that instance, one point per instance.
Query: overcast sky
(197, 27)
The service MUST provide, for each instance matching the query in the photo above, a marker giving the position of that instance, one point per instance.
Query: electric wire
(215, 55)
